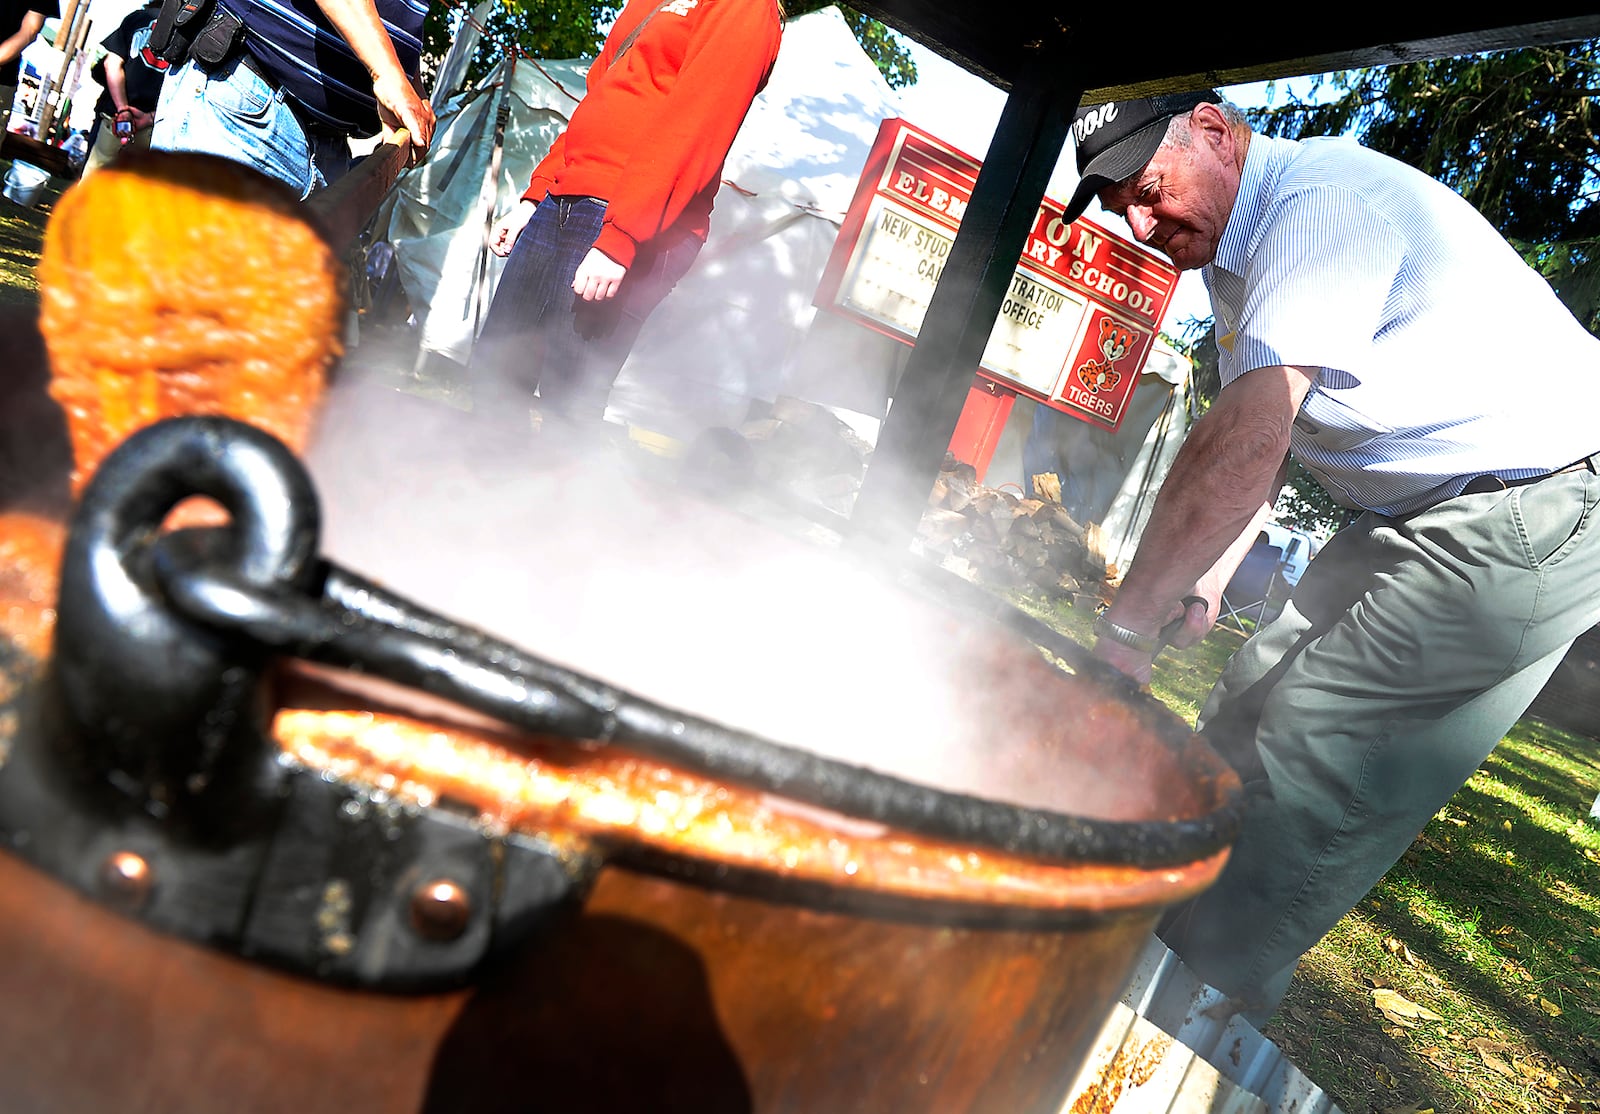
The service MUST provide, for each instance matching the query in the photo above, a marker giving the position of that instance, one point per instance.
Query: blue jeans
(236, 113)
(540, 335)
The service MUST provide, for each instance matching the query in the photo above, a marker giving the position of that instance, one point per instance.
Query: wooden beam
(1120, 57)
(344, 208)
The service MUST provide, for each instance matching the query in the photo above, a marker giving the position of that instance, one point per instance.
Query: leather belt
(1485, 483)
(308, 124)
(248, 61)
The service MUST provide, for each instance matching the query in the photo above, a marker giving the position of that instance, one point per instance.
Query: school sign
(1079, 316)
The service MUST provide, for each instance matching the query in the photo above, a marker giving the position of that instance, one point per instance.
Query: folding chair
(1247, 594)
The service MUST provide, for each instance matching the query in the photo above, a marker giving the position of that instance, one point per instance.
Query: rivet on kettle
(126, 877)
(440, 910)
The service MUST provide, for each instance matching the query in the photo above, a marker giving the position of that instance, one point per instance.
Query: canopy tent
(740, 330)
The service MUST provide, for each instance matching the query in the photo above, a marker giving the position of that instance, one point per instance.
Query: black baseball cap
(1116, 139)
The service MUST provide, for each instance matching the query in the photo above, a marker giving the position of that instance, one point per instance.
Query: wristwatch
(1144, 643)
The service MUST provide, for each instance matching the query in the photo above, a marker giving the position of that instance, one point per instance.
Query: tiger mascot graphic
(1116, 341)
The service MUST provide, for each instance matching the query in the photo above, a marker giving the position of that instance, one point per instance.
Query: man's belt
(1486, 483)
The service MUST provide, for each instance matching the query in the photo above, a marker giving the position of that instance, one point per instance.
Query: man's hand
(1186, 624)
(510, 226)
(400, 106)
(599, 277)
(1199, 615)
(138, 118)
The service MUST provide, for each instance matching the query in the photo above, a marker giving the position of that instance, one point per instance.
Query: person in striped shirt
(284, 85)
(1372, 324)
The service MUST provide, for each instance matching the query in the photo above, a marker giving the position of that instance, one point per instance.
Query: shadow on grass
(21, 236)
(1473, 903)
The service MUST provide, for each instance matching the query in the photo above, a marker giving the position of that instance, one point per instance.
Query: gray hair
(1179, 135)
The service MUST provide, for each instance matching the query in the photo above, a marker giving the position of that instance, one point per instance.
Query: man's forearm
(358, 24)
(1222, 570)
(116, 82)
(1221, 485)
(15, 44)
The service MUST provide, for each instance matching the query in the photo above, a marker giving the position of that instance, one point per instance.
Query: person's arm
(117, 88)
(399, 103)
(32, 24)
(1221, 484)
(117, 81)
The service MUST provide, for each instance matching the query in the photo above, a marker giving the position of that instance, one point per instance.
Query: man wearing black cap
(1373, 324)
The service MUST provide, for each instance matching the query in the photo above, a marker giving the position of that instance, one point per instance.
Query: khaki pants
(1409, 648)
(107, 146)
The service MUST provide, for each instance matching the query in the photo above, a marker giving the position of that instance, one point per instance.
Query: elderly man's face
(1180, 203)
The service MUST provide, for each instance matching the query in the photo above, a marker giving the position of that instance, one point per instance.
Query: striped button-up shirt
(1442, 355)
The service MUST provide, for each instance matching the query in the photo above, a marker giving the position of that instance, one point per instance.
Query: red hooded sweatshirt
(653, 130)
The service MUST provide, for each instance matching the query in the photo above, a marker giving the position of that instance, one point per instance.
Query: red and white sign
(1079, 316)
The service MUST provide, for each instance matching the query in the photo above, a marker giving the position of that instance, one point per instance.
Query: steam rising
(630, 579)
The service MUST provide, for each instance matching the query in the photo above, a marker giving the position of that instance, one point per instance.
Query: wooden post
(344, 208)
(64, 28)
(933, 388)
(70, 33)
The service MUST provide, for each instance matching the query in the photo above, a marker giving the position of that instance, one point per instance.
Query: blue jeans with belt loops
(541, 336)
(235, 113)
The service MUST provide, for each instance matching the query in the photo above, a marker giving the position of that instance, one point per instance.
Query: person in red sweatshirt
(620, 207)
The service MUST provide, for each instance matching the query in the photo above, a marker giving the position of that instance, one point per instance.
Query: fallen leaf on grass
(1437, 1058)
(1537, 1073)
(1398, 949)
(1400, 1009)
(1549, 1007)
(1409, 1108)
(1488, 1051)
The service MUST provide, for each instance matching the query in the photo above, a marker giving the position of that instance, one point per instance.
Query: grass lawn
(1468, 980)
(21, 232)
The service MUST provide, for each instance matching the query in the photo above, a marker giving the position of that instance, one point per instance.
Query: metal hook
(161, 710)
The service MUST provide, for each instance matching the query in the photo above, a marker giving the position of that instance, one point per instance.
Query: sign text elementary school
(1079, 315)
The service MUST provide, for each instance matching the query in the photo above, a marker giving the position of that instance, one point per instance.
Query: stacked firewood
(798, 452)
(1008, 541)
(802, 453)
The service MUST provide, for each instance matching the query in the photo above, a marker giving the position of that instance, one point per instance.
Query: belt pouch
(219, 39)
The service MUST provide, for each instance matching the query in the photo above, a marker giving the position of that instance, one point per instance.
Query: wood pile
(1008, 541)
(803, 453)
(798, 451)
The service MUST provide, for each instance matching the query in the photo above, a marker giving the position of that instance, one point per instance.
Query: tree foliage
(883, 45)
(1514, 132)
(577, 29)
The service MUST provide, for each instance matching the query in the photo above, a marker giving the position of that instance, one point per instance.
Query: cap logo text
(1092, 121)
